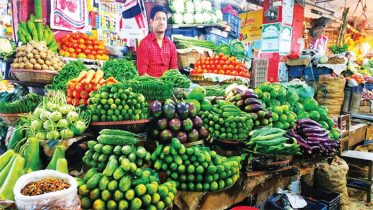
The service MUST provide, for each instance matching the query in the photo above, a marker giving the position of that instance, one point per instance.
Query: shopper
(156, 53)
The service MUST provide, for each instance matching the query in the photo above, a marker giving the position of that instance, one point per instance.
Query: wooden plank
(358, 155)
(357, 134)
(258, 173)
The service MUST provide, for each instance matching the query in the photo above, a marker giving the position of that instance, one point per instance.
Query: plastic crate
(310, 205)
(296, 71)
(190, 32)
(313, 74)
(235, 23)
(259, 71)
(358, 89)
(369, 86)
(216, 38)
(331, 199)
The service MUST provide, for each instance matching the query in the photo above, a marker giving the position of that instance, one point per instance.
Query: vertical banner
(287, 12)
(251, 23)
(131, 23)
(285, 40)
(69, 15)
(270, 37)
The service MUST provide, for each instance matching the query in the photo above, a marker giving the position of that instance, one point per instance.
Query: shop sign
(285, 40)
(251, 23)
(270, 37)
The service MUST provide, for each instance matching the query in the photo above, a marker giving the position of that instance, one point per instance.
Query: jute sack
(330, 93)
(332, 177)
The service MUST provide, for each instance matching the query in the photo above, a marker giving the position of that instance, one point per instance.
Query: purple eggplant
(323, 149)
(253, 108)
(315, 148)
(313, 130)
(268, 115)
(237, 91)
(249, 101)
(240, 103)
(308, 121)
(322, 135)
(303, 144)
(324, 139)
(249, 94)
(313, 143)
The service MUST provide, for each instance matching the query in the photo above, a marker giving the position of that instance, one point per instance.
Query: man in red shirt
(156, 53)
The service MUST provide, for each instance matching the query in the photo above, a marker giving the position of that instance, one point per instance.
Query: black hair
(156, 9)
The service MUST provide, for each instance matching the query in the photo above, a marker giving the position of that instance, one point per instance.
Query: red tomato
(221, 62)
(92, 57)
(225, 57)
(238, 68)
(228, 72)
(208, 59)
(231, 67)
(78, 50)
(212, 66)
(64, 47)
(88, 42)
(207, 67)
(75, 41)
(95, 42)
(100, 52)
(98, 57)
(199, 71)
(95, 47)
(232, 58)
(91, 38)
(89, 47)
(70, 39)
(105, 57)
(221, 55)
(209, 71)
(234, 73)
(241, 74)
(205, 71)
(203, 66)
(81, 41)
(71, 50)
(218, 67)
(69, 44)
(94, 52)
(192, 72)
(225, 67)
(207, 62)
(82, 46)
(221, 72)
(63, 40)
(87, 51)
(216, 62)
(62, 53)
(74, 55)
(78, 36)
(75, 45)
(215, 72)
(85, 36)
(228, 62)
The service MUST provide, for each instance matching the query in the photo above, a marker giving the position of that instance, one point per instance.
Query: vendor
(156, 53)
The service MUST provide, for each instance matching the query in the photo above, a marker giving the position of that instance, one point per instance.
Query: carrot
(81, 76)
(112, 79)
(90, 75)
(102, 82)
(99, 75)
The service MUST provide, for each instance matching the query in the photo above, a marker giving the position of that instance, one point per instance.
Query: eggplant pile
(314, 140)
(248, 102)
(176, 120)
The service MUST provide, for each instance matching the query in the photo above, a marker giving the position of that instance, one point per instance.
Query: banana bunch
(27, 32)
(338, 49)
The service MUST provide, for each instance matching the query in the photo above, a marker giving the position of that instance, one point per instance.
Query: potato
(42, 43)
(30, 55)
(25, 59)
(32, 42)
(56, 66)
(43, 55)
(22, 65)
(61, 64)
(33, 60)
(44, 67)
(15, 65)
(40, 61)
(37, 66)
(37, 57)
(51, 68)
(50, 52)
(29, 45)
(29, 66)
(49, 57)
(15, 60)
(48, 63)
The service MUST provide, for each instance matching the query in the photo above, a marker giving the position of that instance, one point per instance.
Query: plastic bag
(59, 200)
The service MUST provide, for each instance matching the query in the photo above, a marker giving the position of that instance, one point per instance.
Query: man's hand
(144, 74)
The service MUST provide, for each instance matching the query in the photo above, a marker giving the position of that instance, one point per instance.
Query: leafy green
(233, 48)
(292, 95)
(120, 68)
(371, 62)
(24, 104)
(68, 72)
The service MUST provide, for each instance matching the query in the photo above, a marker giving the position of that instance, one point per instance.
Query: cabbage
(189, 7)
(188, 18)
(206, 17)
(177, 6)
(198, 18)
(197, 6)
(206, 6)
(219, 15)
(177, 18)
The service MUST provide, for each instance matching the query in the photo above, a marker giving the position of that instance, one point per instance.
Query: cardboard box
(364, 109)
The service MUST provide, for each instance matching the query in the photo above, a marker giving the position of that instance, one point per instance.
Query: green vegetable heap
(176, 78)
(116, 144)
(196, 168)
(124, 186)
(150, 87)
(24, 104)
(216, 90)
(227, 121)
(69, 71)
(121, 69)
(116, 102)
(233, 48)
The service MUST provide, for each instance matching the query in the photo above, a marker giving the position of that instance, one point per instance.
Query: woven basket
(11, 119)
(134, 126)
(200, 80)
(185, 59)
(36, 76)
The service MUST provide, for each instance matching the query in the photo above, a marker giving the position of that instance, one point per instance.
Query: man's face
(159, 22)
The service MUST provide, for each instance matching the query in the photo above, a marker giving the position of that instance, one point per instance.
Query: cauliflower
(206, 17)
(177, 6)
(198, 18)
(213, 18)
(197, 6)
(189, 7)
(219, 15)
(177, 18)
(6, 47)
(206, 6)
(188, 18)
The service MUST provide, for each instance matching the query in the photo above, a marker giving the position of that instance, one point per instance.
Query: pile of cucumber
(124, 186)
(227, 121)
(195, 168)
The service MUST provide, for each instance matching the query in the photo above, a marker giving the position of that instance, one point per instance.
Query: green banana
(24, 26)
(22, 38)
(21, 29)
(40, 31)
(32, 18)
(54, 46)
(34, 32)
(46, 36)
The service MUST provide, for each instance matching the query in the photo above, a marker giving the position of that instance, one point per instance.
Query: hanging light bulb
(364, 48)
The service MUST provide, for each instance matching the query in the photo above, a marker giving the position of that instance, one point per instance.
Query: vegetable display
(124, 186)
(121, 69)
(248, 102)
(272, 141)
(150, 87)
(36, 56)
(176, 120)
(8, 48)
(55, 119)
(216, 90)
(175, 77)
(196, 168)
(115, 144)
(220, 64)
(227, 121)
(24, 104)
(197, 98)
(67, 73)
(79, 45)
(315, 141)
(34, 31)
(233, 48)
(113, 102)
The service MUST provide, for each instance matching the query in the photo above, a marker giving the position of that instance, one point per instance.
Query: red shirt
(152, 59)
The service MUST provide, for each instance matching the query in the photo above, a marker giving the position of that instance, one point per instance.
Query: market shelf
(30, 84)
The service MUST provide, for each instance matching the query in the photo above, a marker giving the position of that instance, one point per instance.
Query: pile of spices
(45, 185)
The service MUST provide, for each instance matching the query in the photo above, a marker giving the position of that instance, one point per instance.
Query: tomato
(88, 42)
(207, 62)
(215, 72)
(231, 67)
(216, 62)
(100, 52)
(221, 72)
(71, 50)
(102, 47)
(225, 67)
(234, 73)
(212, 66)
(67, 54)
(78, 50)
(241, 74)
(87, 51)
(95, 42)
(85, 36)
(221, 62)
(105, 57)
(74, 55)
(238, 68)
(99, 57)
(81, 41)
(203, 66)
(89, 47)
(228, 72)
(205, 71)
(94, 52)
(192, 72)
(207, 67)
(75, 45)
(209, 71)
(62, 53)
(221, 55)
(225, 57)
(82, 56)
(95, 47)
(92, 57)
(199, 71)
(232, 58)
(208, 59)
(75, 41)
(233, 62)
(78, 36)
(69, 44)
(70, 39)
(218, 67)
(63, 40)
(228, 62)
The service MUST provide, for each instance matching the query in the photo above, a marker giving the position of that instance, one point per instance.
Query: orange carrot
(102, 82)
(90, 75)
(112, 79)
(99, 75)
(81, 76)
